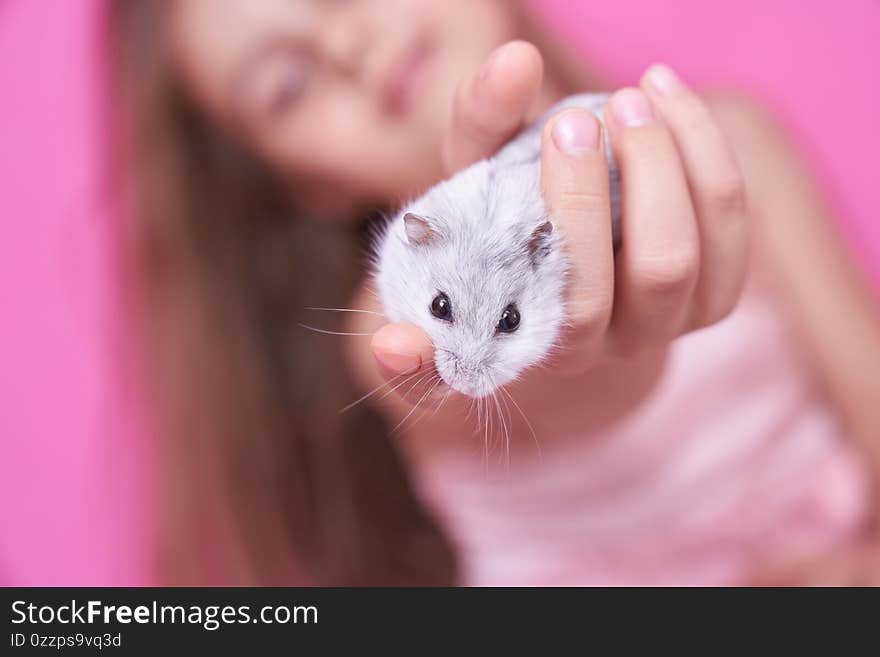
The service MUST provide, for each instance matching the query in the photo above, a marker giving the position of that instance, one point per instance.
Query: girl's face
(348, 99)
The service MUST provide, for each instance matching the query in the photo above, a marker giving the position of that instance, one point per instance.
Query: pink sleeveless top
(732, 463)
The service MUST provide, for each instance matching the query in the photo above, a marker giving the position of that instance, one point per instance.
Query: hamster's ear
(418, 229)
(539, 241)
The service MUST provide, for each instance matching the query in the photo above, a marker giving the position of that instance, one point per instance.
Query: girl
(692, 430)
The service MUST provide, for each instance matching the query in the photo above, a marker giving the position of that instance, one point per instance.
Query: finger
(405, 359)
(574, 179)
(491, 105)
(659, 259)
(717, 190)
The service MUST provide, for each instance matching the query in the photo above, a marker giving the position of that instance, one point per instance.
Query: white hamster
(476, 264)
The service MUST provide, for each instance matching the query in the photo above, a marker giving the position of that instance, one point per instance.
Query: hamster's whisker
(474, 408)
(489, 426)
(509, 425)
(529, 424)
(397, 383)
(424, 397)
(506, 426)
(493, 406)
(505, 436)
(470, 409)
(485, 437)
(404, 382)
(413, 409)
(425, 376)
(485, 407)
(503, 428)
(442, 401)
(326, 332)
(372, 291)
(371, 393)
(346, 310)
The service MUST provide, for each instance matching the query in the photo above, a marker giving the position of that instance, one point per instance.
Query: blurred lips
(407, 70)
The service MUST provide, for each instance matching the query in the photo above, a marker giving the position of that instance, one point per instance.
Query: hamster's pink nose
(402, 348)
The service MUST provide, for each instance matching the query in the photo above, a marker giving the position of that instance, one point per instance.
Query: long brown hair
(260, 479)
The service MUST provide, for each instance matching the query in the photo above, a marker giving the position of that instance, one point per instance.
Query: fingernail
(631, 108)
(399, 363)
(576, 131)
(664, 80)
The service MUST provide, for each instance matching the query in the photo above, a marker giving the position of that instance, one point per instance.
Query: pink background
(74, 465)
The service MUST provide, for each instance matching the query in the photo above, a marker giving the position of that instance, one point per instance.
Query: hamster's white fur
(481, 238)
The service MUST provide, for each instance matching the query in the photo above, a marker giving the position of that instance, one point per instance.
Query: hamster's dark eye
(509, 319)
(441, 307)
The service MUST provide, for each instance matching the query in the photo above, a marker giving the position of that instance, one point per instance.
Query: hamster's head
(482, 274)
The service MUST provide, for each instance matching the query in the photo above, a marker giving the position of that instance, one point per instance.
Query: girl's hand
(684, 254)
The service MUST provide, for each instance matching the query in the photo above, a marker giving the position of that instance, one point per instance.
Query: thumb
(492, 104)
(404, 356)
(401, 348)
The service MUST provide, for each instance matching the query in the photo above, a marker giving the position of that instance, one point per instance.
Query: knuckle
(725, 193)
(695, 116)
(631, 345)
(712, 306)
(589, 318)
(475, 127)
(668, 273)
(480, 124)
(576, 199)
(712, 313)
(723, 188)
(472, 120)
